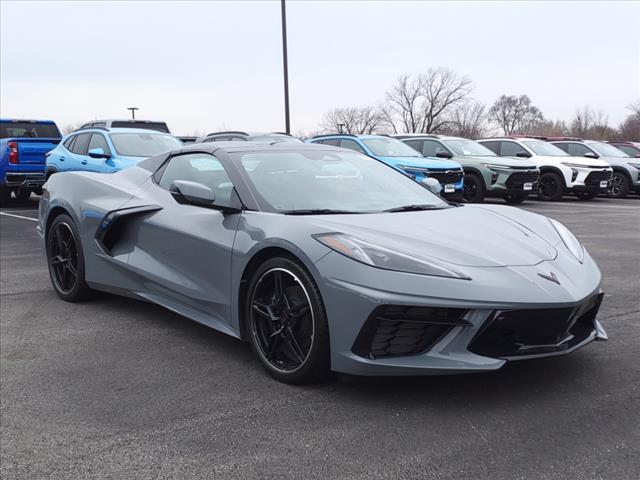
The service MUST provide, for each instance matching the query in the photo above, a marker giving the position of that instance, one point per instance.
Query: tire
(22, 194)
(5, 196)
(515, 198)
(618, 186)
(473, 190)
(38, 191)
(586, 195)
(65, 259)
(550, 187)
(287, 325)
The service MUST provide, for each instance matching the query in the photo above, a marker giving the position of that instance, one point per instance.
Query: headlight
(569, 239)
(385, 258)
(573, 165)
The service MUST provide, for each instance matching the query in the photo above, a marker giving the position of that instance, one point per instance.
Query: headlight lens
(385, 258)
(493, 166)
(569, 239)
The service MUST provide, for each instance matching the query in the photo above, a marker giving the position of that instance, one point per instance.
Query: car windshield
(143, 144)
(607, 150)
(343, 182)
(540, 147)
(390, 147)
(28, 130)
(464, 147)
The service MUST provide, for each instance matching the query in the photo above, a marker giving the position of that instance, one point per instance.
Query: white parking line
(18, 216)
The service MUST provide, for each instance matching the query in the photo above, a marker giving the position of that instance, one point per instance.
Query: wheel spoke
(272, 344)
(278, 286)
(262, 309)
(292, 342)
(72, 268)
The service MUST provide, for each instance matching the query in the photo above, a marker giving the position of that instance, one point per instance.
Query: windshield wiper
(317, 211)
(413, 208)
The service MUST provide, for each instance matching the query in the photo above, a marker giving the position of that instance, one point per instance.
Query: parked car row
(512, 168)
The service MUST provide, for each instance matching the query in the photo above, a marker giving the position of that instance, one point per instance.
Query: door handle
(84, 162)
(62, 159)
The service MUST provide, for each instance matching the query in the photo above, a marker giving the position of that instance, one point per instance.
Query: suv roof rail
(334, 135)
(226, 132)
(416, 135)
(88, 127)
(283, 133)
(557, 139)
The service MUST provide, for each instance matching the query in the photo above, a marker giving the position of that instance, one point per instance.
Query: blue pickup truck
(23, 148)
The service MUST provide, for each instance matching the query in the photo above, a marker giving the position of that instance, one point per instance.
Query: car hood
(587, 162)
(476, 236)
(421, 162)
(504, 161)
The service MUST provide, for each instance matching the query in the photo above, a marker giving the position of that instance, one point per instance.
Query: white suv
(559, 172)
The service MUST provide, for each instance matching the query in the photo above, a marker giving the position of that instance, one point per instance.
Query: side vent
(114, 225)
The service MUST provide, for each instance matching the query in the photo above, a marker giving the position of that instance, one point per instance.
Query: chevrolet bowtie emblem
(551, 277)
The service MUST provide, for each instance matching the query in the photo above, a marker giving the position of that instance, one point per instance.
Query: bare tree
(69, 128)
(467, 120)
(630, 128)
(421, 104)
(353, 120)
(589, 123)
(515, 114)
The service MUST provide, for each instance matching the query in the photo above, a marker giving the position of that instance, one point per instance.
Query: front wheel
(473, 189)
(550, 187)
(618, 186)
(65, 259)
(287, 323)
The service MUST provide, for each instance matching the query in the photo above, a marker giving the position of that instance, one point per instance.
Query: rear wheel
(514, 198)
(287, 323)
(473, 189)
(586, 195)
(22, 193)
(65, 258)
(618, 186)
(551, 187)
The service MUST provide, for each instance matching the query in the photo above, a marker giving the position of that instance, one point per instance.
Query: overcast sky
(207, 65)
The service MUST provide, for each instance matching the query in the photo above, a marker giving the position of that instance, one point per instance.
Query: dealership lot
(116, 388)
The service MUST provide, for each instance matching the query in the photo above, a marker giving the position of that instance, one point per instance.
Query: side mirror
(591, 155)
(432, 185)
(192, 193)
(443, 155)
(97, 153)
(523, 154)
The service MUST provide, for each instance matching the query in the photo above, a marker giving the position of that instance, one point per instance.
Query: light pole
(133, 111)
(285, 67)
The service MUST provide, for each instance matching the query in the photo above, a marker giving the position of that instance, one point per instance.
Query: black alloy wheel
(287, 323)
(550, 187)
(473, 189)
(618, 185)
(65, 259)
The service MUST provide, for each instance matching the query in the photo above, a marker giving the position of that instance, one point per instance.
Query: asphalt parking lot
(117, 388)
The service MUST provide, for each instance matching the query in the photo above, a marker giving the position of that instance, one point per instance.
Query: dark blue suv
(402, 157)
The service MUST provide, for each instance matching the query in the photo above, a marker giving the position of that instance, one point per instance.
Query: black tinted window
(68, 143)
(28, 130)
(415, 144)
(431, 148)
(510, 149)
(98, 141)
(331, 141)
(160, 126)
(81, 144)
(351, 145)
(576, 149)
(562, 146)
(493, 146)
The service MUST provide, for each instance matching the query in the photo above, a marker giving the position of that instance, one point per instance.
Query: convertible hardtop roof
(153, 163)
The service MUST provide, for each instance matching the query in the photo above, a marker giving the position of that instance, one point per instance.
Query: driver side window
(200, 168)
(511, 149)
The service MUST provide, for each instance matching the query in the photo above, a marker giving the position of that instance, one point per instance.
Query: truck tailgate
(33, 150)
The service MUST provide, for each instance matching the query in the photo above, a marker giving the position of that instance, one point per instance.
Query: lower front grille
(518, 179)
(594, 178)
(401, 330)
(446, 176)
(512, 333)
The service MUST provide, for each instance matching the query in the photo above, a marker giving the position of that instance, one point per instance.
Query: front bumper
(352, 303)
(504, 182)
(591, 180)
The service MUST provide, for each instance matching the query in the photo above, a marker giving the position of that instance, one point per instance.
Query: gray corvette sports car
(324, 260)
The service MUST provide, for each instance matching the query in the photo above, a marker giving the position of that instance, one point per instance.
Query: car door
(78, 159)
(184, 251)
